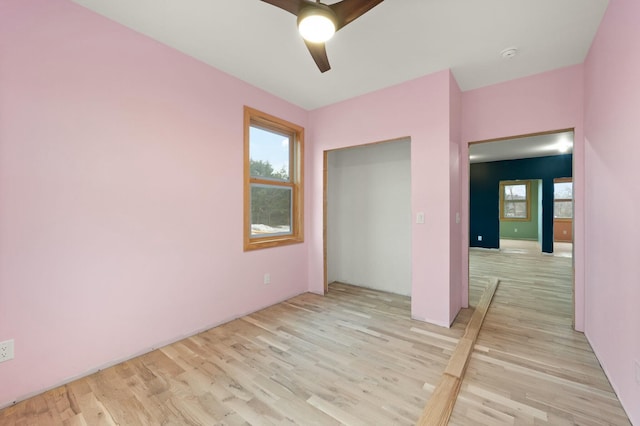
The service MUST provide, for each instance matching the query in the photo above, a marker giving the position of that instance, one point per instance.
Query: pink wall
(456, 288)
(612, 107)
(543, 102)
(418, 109)
(121, 188)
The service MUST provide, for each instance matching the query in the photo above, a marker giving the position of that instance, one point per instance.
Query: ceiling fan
(317, 22)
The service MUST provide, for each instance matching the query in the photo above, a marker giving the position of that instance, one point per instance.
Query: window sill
(267, 242)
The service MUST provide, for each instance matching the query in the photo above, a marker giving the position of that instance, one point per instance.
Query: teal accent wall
(484, 195)
(540, 212)
(524, 230)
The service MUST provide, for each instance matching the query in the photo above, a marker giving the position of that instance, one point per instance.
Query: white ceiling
(524, 147)
(396, 41)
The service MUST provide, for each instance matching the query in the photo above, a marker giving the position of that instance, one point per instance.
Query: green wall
(521, 230)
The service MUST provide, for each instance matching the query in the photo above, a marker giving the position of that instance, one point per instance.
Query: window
(515, 203)
(563, 198)
(273, 172)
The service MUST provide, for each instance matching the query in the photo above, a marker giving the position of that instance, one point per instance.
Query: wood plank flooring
(355, 357)
(352, 357)
(529, 366)
(440, 406)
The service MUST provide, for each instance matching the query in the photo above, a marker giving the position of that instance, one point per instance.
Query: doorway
(529, 163)
(563, 216)
(521, 214)
(367, 219)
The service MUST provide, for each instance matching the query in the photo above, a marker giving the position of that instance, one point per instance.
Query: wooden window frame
(528, 200)
(562, 219)
(253, 117)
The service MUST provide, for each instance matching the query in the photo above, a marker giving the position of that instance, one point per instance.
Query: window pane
(563, 190)
(269, 154)
(515, 192)
(515, 209)
(563, 209)
(521, 209)
(270, 210)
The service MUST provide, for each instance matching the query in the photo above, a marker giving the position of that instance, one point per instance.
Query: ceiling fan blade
(348, 10)
(319, 54)
(292, 6)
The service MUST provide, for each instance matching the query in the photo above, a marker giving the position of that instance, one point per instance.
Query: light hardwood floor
(443, 398)
(354, 357)
(529, 365)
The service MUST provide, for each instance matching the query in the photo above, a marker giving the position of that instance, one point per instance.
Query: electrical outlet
(479, 237)
(267, 278)
(637, 372)
(6, 350)
(515, 230)
(420, 217)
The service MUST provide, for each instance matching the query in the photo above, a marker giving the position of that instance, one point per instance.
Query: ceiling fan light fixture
(317, 24)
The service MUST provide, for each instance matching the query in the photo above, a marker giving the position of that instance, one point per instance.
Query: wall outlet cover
(479, 237)
(637, 372)
(6, 350)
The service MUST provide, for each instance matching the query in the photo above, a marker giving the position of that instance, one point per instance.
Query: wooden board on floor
(440, 405)
(441, 402)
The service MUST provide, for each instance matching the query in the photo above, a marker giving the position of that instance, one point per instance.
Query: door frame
(468, 200)
(325, 177)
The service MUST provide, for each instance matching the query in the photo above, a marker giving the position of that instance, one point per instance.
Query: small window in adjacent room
(273, 176)
(563, 198)
(515, 203)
